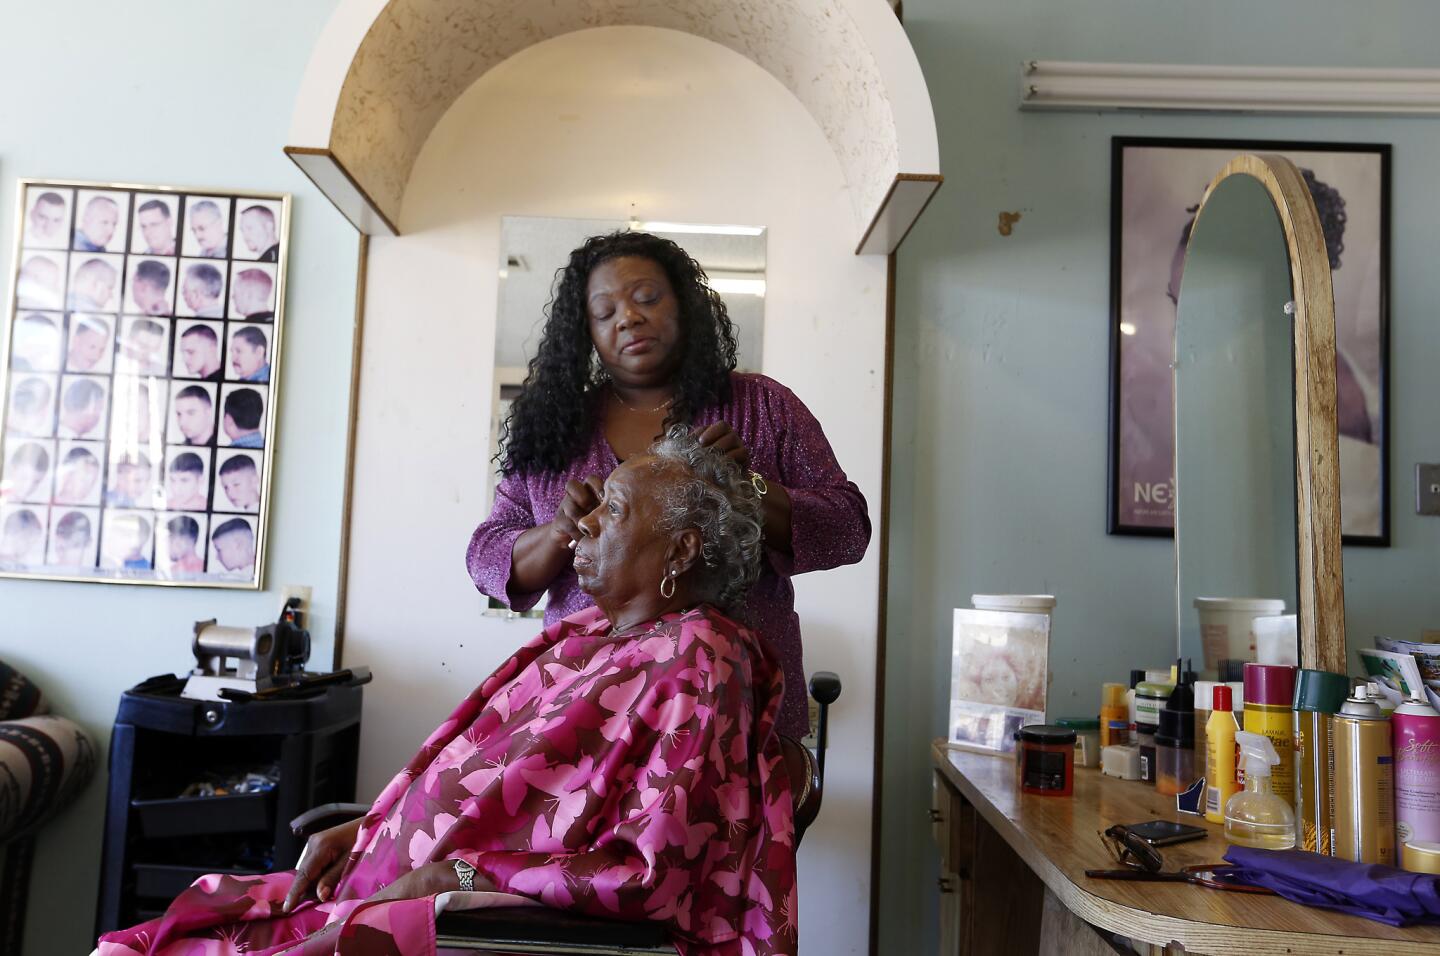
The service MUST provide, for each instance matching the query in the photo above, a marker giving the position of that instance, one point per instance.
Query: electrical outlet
(1427, 489)
(303, 592)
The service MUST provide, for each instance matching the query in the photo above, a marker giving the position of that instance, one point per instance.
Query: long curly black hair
(551, 421)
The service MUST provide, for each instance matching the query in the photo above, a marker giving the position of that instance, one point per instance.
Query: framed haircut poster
(1156, 186)
(141, 355)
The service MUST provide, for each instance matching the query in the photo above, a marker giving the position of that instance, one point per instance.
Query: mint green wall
(1002, 359)
(183, 93)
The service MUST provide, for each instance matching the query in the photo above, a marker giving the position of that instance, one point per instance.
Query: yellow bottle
(1269, 703)
(1220, 729)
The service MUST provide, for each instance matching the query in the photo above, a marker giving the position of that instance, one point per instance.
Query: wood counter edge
(1195, 935)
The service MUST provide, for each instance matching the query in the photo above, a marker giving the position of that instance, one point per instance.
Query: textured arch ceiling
(385, 71)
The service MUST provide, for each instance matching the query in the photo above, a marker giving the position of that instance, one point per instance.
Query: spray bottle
(1257, 816)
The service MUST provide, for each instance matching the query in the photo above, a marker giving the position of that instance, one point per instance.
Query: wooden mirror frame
(1319, 575)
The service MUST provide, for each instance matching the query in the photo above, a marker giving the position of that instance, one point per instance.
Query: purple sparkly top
(829, 522)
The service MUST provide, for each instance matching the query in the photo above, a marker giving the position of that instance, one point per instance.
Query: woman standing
(636, 341)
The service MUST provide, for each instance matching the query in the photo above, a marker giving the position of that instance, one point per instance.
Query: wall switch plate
(303, 592)
(1427, 489)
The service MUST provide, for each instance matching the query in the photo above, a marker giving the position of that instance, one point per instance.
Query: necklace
(640, 411)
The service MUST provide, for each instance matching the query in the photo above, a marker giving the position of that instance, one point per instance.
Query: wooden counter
(1056, 837)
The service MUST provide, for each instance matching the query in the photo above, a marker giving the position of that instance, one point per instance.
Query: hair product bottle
(1257, 816)
(1318, 695)
(1415, 728)
(1269, 703)
(1221, 781)
(1364, 783)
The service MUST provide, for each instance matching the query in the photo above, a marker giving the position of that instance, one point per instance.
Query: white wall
(585, 126)
(182, 93)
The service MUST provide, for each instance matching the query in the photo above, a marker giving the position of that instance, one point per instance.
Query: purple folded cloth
(1381, 893)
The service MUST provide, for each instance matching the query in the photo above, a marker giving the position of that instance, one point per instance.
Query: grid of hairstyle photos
(140, 355)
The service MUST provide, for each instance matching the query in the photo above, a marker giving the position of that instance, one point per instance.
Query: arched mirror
(1256, 463)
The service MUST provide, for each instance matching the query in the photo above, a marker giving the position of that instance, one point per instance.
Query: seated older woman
(621, 764)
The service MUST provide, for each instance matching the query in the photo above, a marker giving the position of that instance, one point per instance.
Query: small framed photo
(247, 355)
(192, 414)
(252, 291)
(187, 479)
(141, 350)
(30, 411)
(84, 401)
(237, 482)
(40, 280)
(149, 286)
(74, 539)
(94, 282)
(207, 227)
(47, 217)
(133, 481)
(89, 342)
(198, 350)
(180, 552)
(127, 540)
(153, 232)
(77, 472)
(22, 536)
(999, 671)
(201, 289)
(258, 230)
(101, 216)
(29, 471)
(35, 342)
(143, 347)
(242, 416)
(232, 546)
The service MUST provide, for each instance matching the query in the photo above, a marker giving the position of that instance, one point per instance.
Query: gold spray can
(1364, 805)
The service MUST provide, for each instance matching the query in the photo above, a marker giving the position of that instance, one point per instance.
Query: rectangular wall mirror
(534, 248)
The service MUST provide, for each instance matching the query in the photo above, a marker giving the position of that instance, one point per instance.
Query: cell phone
(1166, 832)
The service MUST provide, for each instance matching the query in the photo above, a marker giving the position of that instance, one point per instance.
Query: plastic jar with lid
(1045, 760)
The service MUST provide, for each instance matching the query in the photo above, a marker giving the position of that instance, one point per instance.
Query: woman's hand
(580, 499)
(428, 880)
(774, 501)
(321, 861)
(724, 439)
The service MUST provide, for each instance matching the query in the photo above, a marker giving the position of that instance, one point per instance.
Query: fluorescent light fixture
(696, 229)
(1069, 85)
(729, 286)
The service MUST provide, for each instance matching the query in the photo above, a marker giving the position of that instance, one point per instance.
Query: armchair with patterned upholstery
(45, 762)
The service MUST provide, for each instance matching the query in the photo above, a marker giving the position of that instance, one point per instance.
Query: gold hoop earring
(670, 580)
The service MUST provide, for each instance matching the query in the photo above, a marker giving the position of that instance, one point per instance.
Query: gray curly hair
(713, 495)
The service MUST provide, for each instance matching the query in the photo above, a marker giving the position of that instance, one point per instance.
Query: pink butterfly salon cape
(634, 776)
(829, 520)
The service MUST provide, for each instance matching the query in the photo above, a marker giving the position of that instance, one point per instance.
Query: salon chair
(535, 929)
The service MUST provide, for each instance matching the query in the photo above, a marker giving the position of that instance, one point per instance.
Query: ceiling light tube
(1068, 85)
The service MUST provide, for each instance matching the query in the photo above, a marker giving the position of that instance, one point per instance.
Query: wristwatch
(466, 872)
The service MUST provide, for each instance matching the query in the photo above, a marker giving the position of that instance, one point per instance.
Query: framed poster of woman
(1156, 186)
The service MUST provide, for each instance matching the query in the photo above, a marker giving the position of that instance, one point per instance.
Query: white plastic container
(1277, 639)
(1226, 631)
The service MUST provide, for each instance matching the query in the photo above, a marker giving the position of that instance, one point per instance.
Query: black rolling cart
(158, 842)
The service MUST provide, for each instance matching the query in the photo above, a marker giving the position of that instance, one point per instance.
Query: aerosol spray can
(1364, 783)
(1415, 728)
(1318, 695)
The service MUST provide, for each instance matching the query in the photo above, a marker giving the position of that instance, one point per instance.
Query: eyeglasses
(1127, 849)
